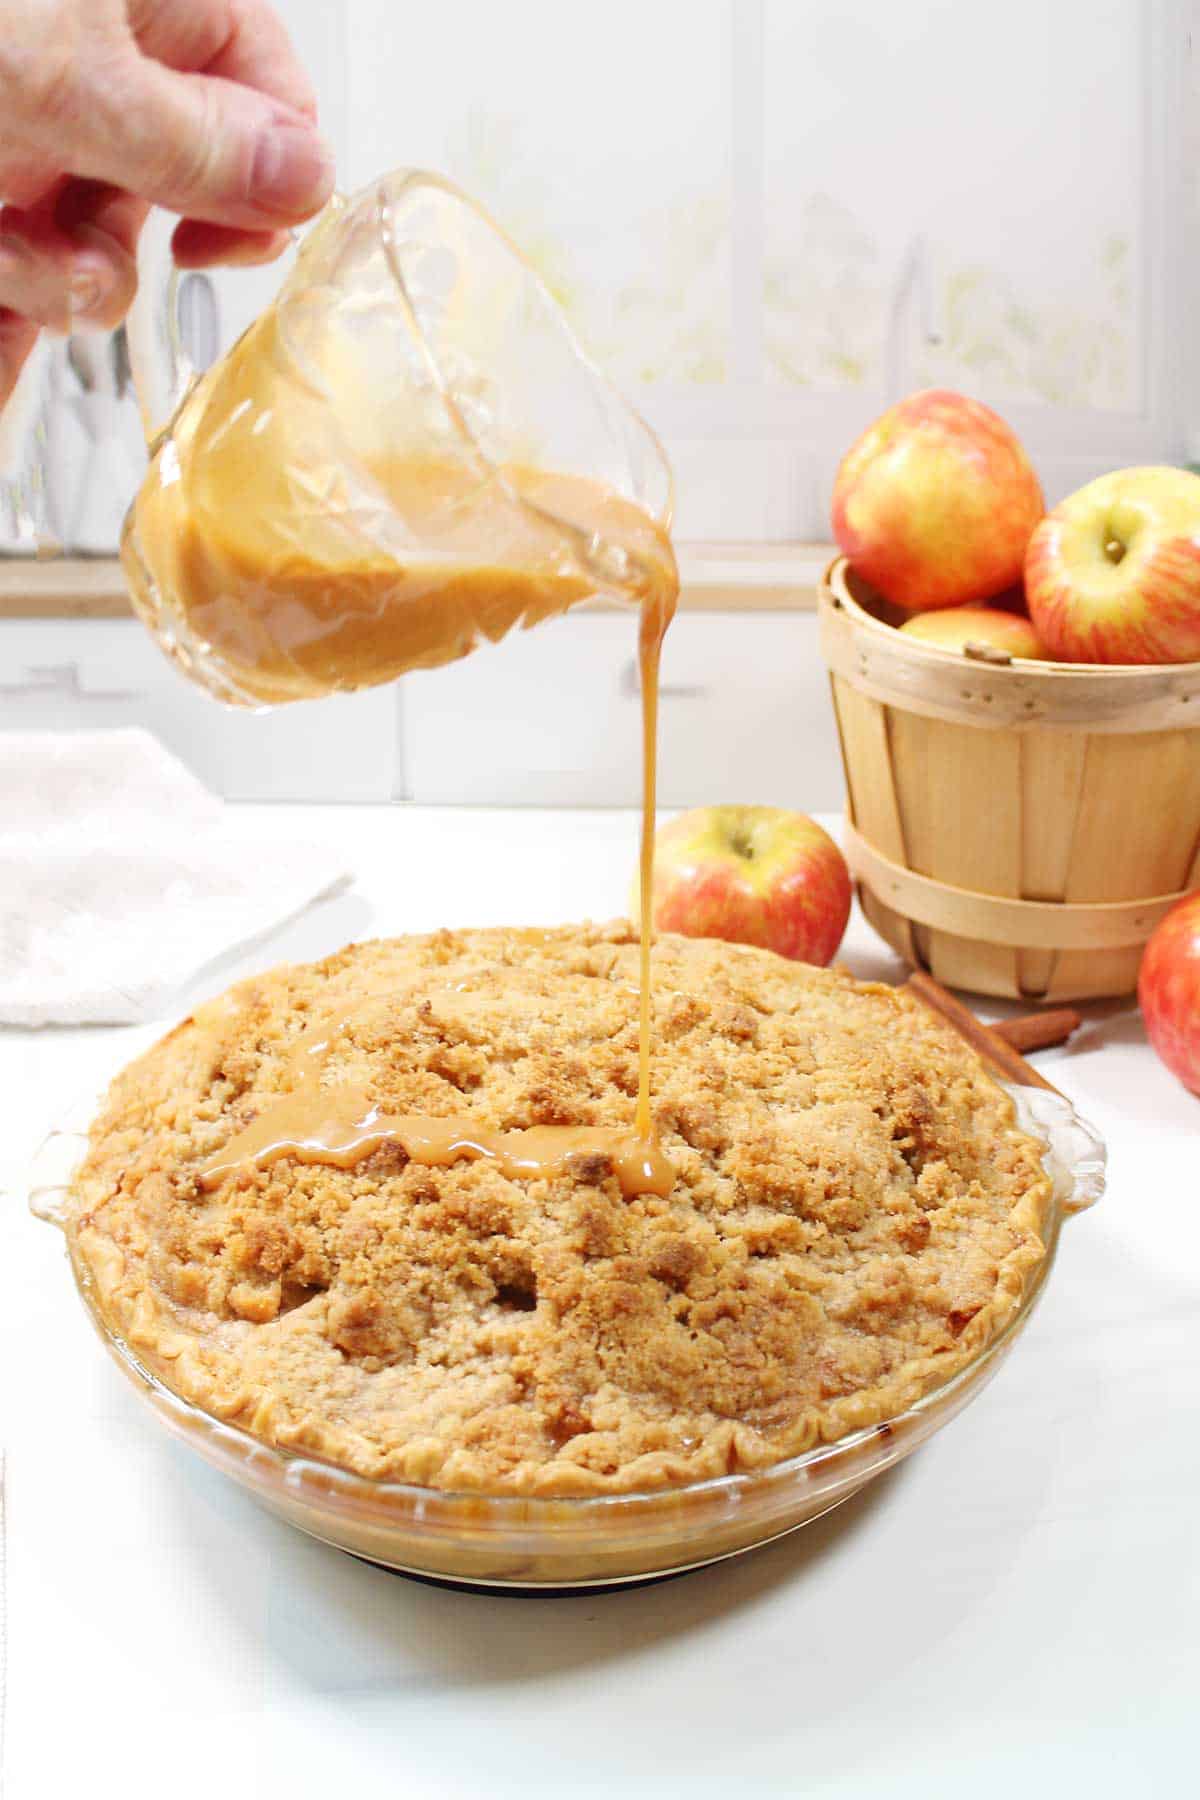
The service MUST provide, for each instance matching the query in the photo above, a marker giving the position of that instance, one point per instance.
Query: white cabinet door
(549, 717)
(552, 717)
(72, 674)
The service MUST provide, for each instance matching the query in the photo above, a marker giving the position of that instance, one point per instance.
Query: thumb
(205, 147)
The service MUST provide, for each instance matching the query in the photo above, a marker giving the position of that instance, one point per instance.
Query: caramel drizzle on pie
(339, 1124)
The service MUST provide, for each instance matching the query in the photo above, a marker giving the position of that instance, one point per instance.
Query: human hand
(110, 106)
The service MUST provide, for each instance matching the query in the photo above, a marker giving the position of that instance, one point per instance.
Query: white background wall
(726, 193)
(729, 195)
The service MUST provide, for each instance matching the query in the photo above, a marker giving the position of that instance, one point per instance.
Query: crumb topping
(854, 1214)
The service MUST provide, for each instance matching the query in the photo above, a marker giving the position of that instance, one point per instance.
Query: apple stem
(1114, 549)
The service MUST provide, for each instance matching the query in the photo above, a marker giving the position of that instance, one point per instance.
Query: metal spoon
(122, 369)
(198, 319)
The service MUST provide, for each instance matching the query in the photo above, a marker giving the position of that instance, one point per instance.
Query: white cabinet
(549, 717)
(552, 716)
(73, 674)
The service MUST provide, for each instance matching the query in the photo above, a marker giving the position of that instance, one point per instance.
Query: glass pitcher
(406, 453)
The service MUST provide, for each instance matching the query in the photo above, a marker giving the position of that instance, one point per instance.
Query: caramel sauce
(339, 1124)
(277, 565)
(284, 578)
(347, 1126)
(652, 626)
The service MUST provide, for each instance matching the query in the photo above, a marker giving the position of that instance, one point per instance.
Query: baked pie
(384, 1210)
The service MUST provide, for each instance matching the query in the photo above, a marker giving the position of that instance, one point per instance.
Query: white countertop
(1012, 1609)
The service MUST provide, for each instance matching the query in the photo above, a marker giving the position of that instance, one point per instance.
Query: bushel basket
(1017, 828)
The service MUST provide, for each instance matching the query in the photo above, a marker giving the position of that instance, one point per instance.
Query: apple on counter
(935, 503)
(751, 875)
(1169, 990)
(966, 627)
(1112, 575)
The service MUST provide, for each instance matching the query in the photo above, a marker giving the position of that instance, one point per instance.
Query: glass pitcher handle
(162, 373)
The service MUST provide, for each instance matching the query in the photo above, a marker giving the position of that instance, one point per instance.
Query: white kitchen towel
(121, 876)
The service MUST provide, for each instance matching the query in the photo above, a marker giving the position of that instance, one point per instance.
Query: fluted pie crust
(855, 1215)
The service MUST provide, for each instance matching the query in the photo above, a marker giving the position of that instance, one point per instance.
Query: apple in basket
(935, 503)
(751, 875)
(1169, 990)
(1112, 575)
(995, 635)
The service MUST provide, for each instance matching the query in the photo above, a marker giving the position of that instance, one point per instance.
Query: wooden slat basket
(1016, 828)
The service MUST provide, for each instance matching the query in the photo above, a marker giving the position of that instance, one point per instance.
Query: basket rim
(865, 651)
(834, 589)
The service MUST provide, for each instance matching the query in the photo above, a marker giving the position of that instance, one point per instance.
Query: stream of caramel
(292, 607)
(652, 626)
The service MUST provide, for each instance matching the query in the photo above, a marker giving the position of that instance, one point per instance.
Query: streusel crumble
(854, 1213)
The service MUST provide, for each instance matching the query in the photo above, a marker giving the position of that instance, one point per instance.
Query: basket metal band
(998, 919)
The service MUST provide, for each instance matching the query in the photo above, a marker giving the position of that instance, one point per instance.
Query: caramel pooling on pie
(339, 1124)
(346, 1126)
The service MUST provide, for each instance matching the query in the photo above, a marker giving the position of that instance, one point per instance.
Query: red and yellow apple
(1169, 990)
(1112, 575)
(935, 503)
(954, 627)
(752, 875)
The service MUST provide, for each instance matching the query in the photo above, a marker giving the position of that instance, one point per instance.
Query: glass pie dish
(543, 1544)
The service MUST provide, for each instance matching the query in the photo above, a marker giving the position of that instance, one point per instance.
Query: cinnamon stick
(1039, 1030)
(995, 1051)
